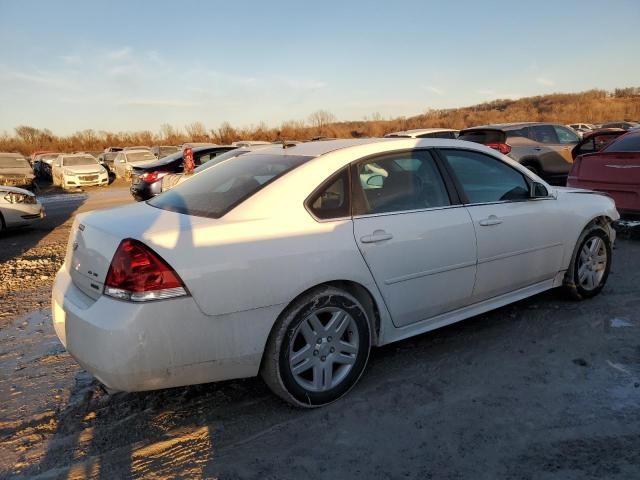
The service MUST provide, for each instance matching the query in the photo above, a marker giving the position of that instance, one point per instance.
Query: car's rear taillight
(503, 148)
(138, 274)
(151, 177)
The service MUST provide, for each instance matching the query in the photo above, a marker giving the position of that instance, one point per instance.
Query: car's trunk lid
(623, 168)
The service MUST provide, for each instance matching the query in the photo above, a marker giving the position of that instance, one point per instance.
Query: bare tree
(197, 132)
(320, 119)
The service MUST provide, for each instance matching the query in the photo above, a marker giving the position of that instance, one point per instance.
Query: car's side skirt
(395, 334)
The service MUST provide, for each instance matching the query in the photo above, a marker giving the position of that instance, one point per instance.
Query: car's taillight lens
(138, 274)
(503, 148)
(151, 177)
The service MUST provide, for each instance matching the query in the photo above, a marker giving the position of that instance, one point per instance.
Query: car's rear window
(483, 136)
(215, 191)
(627, 143)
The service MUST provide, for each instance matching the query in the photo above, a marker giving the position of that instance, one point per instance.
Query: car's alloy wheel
(318, 348)
(591, 263)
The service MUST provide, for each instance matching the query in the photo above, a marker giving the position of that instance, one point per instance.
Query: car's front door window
(566, 136)
(485, 179)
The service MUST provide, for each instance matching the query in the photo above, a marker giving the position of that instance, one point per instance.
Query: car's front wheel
(591, 264)
(318, 348)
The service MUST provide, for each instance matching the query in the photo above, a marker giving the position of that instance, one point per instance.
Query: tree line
(593, 106)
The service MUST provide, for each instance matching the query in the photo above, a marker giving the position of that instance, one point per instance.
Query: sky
(135, 65)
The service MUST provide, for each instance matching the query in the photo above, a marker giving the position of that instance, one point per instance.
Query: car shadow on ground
(186, 431)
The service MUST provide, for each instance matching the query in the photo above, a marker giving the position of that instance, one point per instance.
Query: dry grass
(593, 106)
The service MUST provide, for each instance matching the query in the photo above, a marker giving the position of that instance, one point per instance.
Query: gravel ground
(543, 389)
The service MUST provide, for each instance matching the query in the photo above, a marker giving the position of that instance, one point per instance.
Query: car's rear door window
(398, 182)
(332, 200)
(215, 191)
(485, 179)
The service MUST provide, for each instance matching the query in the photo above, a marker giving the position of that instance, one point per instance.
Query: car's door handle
(491, 220)
(537, 149)
(377, 236)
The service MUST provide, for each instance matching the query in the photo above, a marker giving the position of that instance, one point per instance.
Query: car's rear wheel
(318, 348)
(591, 263)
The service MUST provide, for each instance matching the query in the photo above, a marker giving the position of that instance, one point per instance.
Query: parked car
(622, 125)
(42, 164)
(161, 151)
(18, 207)
(125, 160)
(582, 128)
(146, 178)
(425, 133)
(171, 180)
(197, 144)
(15, 171)
(596, 140)
(141, 147)
(615, 170)
(249, 143)
(544, 148)
(77, 171)
(277, 264)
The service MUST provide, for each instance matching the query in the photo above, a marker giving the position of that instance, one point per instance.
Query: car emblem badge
(81, 227)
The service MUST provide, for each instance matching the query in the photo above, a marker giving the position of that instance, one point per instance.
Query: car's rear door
(519, 239)
(416, 238)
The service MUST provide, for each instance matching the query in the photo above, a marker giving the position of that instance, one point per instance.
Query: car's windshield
(215, 191)
(13, 162)
(627, 143)
(221, 158)
(140, 157)
(79, 160)
(48, 156)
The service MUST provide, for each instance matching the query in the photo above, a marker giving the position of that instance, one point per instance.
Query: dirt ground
(543, 389)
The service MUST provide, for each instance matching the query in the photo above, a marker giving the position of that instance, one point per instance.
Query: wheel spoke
(582, 273)
(336, 323)
(600, 259)
(327, 375)
(303, 366)
(305, 353)
(592, 280)
(316, 324)
(344, 359)
(317, 377)
(345, 347)
(308, 333)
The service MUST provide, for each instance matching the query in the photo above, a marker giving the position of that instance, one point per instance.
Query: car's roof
(315, 149)
(421, 131)
(9, 154)
(507, 126)
(137, 150)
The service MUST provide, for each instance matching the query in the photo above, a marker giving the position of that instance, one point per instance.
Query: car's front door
(414, 235)
(520, 239)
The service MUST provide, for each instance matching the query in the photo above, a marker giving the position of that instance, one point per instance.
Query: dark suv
(144, 179)
(544, 148)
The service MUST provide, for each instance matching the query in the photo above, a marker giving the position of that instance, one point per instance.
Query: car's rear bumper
(626, 196)
(168, 343)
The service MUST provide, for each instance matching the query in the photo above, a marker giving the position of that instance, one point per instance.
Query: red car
(615, 170)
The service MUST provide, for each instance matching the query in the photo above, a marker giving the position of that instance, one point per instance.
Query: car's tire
(590, 264)
(318, 348)
(3, 225)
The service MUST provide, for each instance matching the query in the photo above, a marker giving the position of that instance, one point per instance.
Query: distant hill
(593, 106)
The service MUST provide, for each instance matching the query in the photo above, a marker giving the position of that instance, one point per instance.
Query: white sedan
(18, 207)
(293, 263)
(78, 170)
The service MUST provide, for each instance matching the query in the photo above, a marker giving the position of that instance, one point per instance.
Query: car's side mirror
(538, 190)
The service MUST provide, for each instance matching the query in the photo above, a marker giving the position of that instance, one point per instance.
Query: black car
(144, 179)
